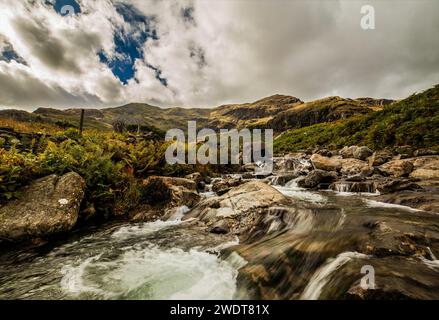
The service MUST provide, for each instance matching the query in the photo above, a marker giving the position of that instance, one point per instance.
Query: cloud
(206, 53)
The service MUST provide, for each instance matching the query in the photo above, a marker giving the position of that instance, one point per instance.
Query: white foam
(143, 228)
(301, 194)
(154, 273)
(378, 204)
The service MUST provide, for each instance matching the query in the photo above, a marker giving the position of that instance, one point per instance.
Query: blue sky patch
(8, 54)
(129, 44)
(63, 7)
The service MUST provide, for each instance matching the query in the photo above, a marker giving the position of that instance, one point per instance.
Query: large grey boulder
(47, 206)
(240, 209)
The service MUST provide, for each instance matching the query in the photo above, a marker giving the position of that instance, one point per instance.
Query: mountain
(279, 112)
(413, 121)
(250, 115)
(160, 118)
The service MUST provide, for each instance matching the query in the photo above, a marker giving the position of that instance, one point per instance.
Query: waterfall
(342, 187)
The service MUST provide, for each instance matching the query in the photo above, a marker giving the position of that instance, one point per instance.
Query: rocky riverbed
(305, 232)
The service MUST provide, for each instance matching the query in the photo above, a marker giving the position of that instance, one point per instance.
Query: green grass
(413, 121)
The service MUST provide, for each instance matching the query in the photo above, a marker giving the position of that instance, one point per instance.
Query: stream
(160, 260)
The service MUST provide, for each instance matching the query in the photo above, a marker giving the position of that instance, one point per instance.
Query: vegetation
(413, 121)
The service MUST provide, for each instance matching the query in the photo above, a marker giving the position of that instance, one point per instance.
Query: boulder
(283, 178)
(293, 162)
(221, 186)
(362, 153)
(325, 163)
(239, 209)
(347, 152)
(426, 168)
(196, 177)
(316, 178)
(161, 195)
(425, 174)
(428, 162)
(397, 168)
(390, 185)
(45, 207)
(352, 167)
(380, 157)
(422, 200)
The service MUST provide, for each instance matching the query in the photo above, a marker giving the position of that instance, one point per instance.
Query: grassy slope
(413, 121)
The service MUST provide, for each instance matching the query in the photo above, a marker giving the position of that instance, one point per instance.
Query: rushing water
(119, 262)
(162, 260)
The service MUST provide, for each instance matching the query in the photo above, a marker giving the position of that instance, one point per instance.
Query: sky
(205, 53)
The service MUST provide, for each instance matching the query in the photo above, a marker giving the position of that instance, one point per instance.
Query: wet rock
(249, 167)
(242, 207)
(425, 200)
(222, 186)
(324, 152)
(45, 207)
(220, 227)
(196, 177)
(425, 174)
(380, 157)
(396, 278)
(347, 152)
(293, 162)
(162, 195)
(426, 168)
(317, 177)
(362, 153)
(390, 185)
(397, 168)
(325, 163)
(355, 167)
(283, 178)
(248, 175)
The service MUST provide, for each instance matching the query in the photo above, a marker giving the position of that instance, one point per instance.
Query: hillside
(323, 110)
(412, 121)
(278, 112)
(251, 115)
(161, 118)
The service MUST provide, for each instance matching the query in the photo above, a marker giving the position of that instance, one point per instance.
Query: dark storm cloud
(21, 89)
(207, 53)
(45, 47)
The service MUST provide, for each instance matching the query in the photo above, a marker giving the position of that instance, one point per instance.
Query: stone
(222, 186)
(390, 185)
(316, 178)
(347, 152)
(397, 168)
(362, 153)
(325, 163)
(162, 195)
(241, 207)
(380, 157)
(45, 207)
(350, 167)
